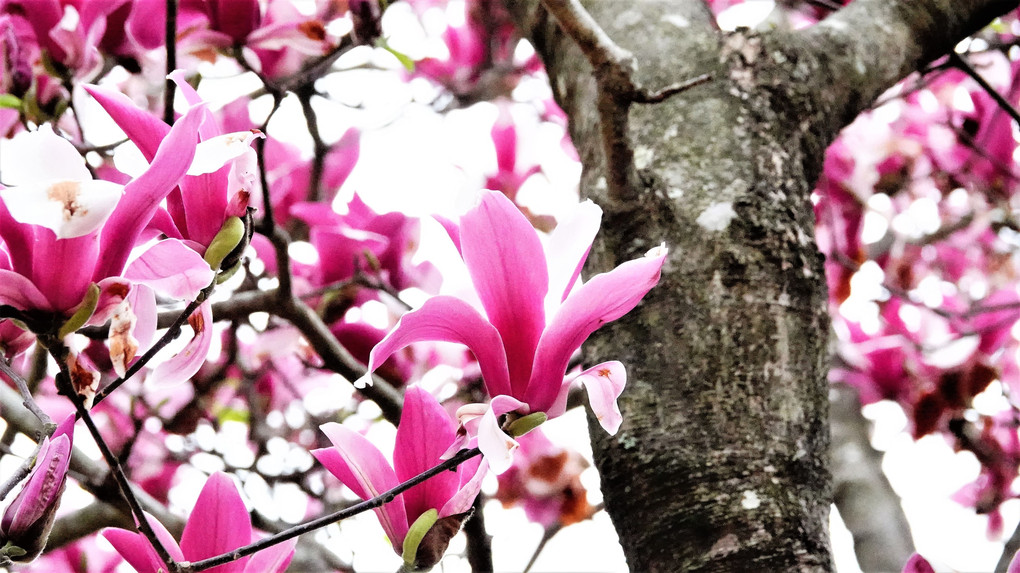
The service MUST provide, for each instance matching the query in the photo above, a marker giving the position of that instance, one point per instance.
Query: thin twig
(64, 383)
(323, 521)
(961, 64)
(170, 89)
(26, 395)
(551, 531)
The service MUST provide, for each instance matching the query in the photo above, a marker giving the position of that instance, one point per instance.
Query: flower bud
(27, 521)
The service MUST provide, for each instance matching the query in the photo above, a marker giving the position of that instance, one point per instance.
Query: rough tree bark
(722, 463)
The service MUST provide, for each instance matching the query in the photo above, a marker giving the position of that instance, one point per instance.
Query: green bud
(525, 424)
(84, 312)
(228, 237)
(415, 534)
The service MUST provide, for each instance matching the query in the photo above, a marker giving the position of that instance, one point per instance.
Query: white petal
(215, 152)
(68, 208)
(41, 156)
(497, 447)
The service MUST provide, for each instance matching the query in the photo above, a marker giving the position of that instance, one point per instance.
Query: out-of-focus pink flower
(26, 522)
(440, 503)
(219, 523)
(546, 480)
(534, 318)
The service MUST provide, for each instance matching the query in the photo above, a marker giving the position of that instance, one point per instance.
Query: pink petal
(917, 564)
(424, 433)
(359, 465)
(20, 293)
(340, 162)
(474, 471)
(18, 238)
(144, 129)
(186, 363)
(143, 195)
(64, 267)
(508, 269)
(452, 229)
(1014, 564)
(219, 523)
(171, 268)
(136, 550)
(604, 384)
(272, 560)
(567, 250)
(606, 297)
(497, 447)
(449, 319)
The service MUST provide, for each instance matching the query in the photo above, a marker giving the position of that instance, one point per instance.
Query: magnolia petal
(40, 157)
(143, 128)
(508, 269)
(424, 434)
(475, 470)
(604, 298)
(69, 208)
(449, 319)
(219, 523)
(273, 559)
(452, 229)
(497, 447)
(123, 345)
(917, 564)
(604, 384)
(143, 194)
(567, 250)
(214, 153)
(138, 552)
(171, 268)
(1014, 564)
(21, 293)
(359, 465)
(186, 363)
(84, 376)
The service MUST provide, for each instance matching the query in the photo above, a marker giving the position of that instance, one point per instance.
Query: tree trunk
(722, 463)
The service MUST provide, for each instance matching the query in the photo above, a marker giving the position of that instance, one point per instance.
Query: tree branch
(866, 501)
(870, 45)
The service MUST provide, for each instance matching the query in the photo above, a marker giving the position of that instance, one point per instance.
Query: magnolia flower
(26, 522)
(420, 521)
(219, 523)
(67, 239)
(534, 318)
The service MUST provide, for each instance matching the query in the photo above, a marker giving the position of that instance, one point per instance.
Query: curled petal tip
(365, 380)
(659, 250)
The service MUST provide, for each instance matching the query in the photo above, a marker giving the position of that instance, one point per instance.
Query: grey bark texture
(722, 463)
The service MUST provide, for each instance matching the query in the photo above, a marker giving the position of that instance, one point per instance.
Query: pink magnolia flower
(534, 318)
(26, 522)
(424, 434)
(219, 523)
(546, 480)
(67, 238)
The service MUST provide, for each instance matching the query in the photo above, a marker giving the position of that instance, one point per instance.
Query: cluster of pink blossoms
(96, 255)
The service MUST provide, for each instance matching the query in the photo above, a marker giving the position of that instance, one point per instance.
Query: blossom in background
(26, 522)
(534, 318)
(438, 506)
(218, 523)
(546, 480)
